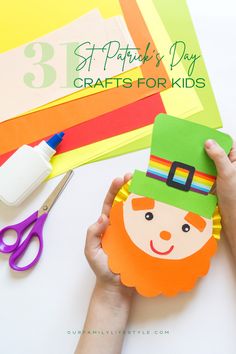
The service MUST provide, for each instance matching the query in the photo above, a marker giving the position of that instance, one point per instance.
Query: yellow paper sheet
(179, 102)
(120, 144)
(133, 74)
(23, 21)
(43, 17)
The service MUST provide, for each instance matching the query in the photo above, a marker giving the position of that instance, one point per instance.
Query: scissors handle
(19, 229)
(37, 231)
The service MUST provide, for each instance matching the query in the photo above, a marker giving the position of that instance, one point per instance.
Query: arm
(225, 189)
(111, 301)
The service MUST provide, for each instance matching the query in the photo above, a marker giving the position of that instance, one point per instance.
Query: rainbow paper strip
(159, 168)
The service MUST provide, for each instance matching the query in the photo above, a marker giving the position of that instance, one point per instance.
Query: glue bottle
(26, 169)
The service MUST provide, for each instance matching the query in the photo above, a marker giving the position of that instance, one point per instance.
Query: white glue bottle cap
(26, 169)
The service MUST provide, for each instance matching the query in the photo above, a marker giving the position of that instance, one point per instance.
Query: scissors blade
(49, 202)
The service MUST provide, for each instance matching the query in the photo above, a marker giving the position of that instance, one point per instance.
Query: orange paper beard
(151, 276)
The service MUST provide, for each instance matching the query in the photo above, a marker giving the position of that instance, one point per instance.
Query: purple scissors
(36, 220)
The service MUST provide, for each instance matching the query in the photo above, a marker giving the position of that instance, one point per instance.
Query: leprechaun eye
(185, 227)
(149, 216)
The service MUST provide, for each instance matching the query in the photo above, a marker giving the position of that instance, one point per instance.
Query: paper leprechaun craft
(164, 224)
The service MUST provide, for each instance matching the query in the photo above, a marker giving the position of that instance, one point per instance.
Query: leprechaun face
(164, 231)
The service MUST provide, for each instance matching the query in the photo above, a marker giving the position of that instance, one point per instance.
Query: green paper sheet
(177, 19)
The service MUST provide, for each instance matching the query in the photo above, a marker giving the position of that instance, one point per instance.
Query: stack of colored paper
(150, 64)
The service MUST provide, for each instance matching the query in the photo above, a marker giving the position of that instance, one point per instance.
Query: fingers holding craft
(113, 190)
(217, 154)
(93, 238)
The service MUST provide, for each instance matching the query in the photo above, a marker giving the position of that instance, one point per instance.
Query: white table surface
(41, 311)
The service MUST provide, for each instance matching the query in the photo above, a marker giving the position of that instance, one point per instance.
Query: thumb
(93, 239)
(232, 155)
(218, 155)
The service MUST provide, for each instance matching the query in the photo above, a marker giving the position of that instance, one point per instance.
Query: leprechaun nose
(165, 235)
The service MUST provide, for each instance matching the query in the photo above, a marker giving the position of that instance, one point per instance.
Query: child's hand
(111, 301)
(94, 253)
(225, 188)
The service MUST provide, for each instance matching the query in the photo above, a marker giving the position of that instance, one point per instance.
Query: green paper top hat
(180, 173)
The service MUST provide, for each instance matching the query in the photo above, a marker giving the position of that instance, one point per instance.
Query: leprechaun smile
(158, 252)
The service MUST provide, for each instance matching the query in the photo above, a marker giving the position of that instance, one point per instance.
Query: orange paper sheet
(125, 119)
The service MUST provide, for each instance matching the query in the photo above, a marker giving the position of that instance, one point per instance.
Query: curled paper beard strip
(153, 275)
